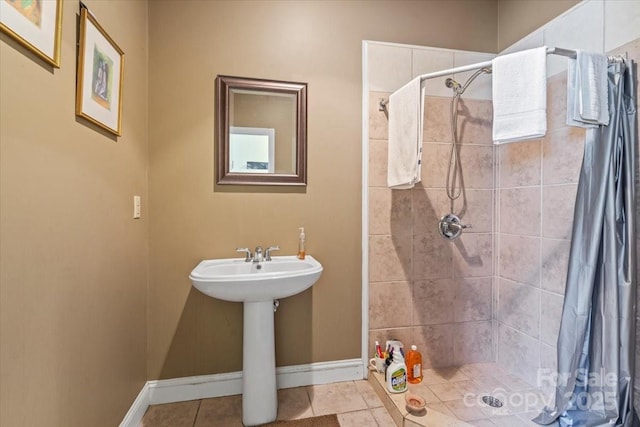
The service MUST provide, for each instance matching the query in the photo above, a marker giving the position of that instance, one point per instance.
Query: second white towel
(520, 96)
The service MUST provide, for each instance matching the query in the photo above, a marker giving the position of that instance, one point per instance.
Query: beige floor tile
(180, 414)
(335, 398)
(394, 412)
(424, 391)
(528, 401)
(357, 419)
(489, 385)
(453, 390)
(294, 403)
(440, 408)
(220, 412)
(433, 418)
(482, 423)
(512, 421)
(401, 404)
(528, 416)
(465, 410)
(397, 414)
(453, 397)
(368, 394)
(491, 412)
(442, 375)
(514, 382)
(382, 417)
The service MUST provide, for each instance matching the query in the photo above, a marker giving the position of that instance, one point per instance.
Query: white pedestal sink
(257, 285)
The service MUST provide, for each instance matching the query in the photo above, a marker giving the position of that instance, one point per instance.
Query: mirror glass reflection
(261, 131)
(262, 111)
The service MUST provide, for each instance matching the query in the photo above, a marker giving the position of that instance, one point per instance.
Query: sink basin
(257, 285)
(234, 279)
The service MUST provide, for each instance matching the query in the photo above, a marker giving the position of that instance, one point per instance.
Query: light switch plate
(136, 207)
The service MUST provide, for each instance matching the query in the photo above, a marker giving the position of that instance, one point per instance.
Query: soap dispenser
(301, 237)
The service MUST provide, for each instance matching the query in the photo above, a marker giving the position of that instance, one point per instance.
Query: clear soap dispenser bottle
(301, 250)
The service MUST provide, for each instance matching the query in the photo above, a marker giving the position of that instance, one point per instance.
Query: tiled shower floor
(454, 398)
(452, 395)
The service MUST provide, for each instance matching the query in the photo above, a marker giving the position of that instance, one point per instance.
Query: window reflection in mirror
(252, 150)
(260, 131)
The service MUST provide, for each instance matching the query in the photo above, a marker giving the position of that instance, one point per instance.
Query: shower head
(451, 83)
(459, 89)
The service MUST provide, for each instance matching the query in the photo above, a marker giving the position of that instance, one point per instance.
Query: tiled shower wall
(437, 294)
(536, 185)
(423, 289)
(536, 182)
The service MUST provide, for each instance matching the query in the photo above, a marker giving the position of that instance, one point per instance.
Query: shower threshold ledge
(395, 405)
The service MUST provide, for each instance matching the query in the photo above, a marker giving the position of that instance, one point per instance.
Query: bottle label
(399, 380)
(417, 370)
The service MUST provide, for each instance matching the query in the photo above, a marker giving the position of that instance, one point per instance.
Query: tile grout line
(195, 419)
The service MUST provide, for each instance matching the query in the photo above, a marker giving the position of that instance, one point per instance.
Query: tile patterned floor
(453, 397)
(355, 402)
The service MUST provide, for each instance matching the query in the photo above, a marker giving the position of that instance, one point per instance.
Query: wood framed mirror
(261, 131)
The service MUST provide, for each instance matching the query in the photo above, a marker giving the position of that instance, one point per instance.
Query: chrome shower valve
(450, 226)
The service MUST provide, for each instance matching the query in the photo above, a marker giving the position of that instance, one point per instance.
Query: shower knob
(450, 226)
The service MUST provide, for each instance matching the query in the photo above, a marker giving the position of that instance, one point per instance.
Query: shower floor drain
(492, 401)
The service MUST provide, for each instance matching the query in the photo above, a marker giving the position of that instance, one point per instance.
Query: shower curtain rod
(550, 50)
(570, 53)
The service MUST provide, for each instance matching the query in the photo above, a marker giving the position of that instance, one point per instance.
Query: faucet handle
(248, 256)
(257, 254)
(267, 253)
(451, 227)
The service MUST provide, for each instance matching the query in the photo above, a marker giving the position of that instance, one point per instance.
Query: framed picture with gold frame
(100, 74)
(36, 24)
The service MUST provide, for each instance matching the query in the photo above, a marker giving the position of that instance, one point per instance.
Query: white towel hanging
(520, 96)
(406, 107)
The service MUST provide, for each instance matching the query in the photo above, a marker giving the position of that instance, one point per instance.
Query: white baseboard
(228, 384)
(133, 417)
(320, 373)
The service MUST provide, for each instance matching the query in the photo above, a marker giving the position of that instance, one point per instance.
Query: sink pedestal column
(259, 393)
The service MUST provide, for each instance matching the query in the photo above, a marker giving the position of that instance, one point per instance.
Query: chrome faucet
(248, 257)
(267, 253)
(257, 254)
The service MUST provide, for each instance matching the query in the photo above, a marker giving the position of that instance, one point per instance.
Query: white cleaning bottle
(301, 251)
(396, 374)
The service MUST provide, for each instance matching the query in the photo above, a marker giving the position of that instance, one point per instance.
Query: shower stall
(424, 289)
(491, 298)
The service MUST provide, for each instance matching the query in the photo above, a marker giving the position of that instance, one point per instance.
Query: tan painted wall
(517, 18)
(73, 261)
(73, 265)
(315, 42)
